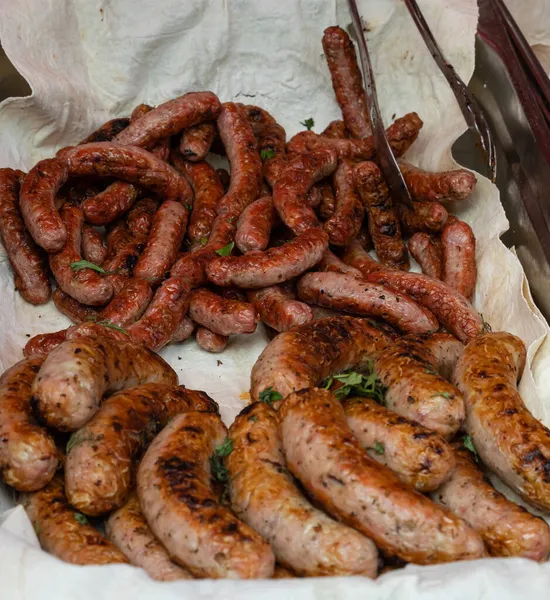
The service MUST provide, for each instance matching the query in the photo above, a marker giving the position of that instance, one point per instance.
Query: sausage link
(103, 454)
(110, 204)
(349, 294)
(76, 311)
(140, 217)
(196, 141)
(384, 227)
(165, 239)
(129, 304)
(356, 256)
(93, 248)
(261, 269)
(336, 129)
(254, 225)
(446, 186)
(344, 225)
(26, 260)
(77, 374)
(128, 530)
(331, 263)
(64, 532)
(452, 310)
(409, 369)
(303, 357)
(425, 216)
(459, 258)
(107, 131)
(43, 343)
(291, 188)
(37, 203)
(426, 250)
(264, 495)
(508, 439)
(347, 81)
(210, 341)
(123, 250)
(96, 330)
(85, 285)
(224, 177)
(176, 496)
(170, 118)
(506, 528)
(183, 331)
(321, 451)
(279, 311)
(220, 315)
(163, 315)
(327, 205)
(419, 457)
(28, 456)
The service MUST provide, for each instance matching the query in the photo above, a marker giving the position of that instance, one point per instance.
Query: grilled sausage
(64, 532)
(384, 227)
(102, 455)
(224, 177)
(508, 439)
(291, 188)
(328, 201)
(84, 285)
(279, 310)
(129, 304)
(452, 310)
(163, 245)
(175, 494)
(123, 250)
(459, 258)
(210, 341)
(140, 217)
(110, 204)
(506, 528)
(107, 131)
(183, 331)
(37, 203)
(254, 225)
(417, 456)
(304, 356)
(196, 141)
(28, 456)
(355, 256)
(77, 312)
(128, 530)
(221, 315)
(261, 269)
(264, 495)
(425, 216)
(335, 129)
(93, 248)
(426, 250)
(330, 263)
(76, 375)
(26, 260)
(163, 315)
(321, 451)
(446, 186)
(347, 81)
(43, 343)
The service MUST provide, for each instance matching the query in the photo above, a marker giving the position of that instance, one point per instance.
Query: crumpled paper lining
(90, 60)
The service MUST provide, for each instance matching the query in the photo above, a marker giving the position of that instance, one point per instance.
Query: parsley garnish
(80, 518)
(469, 445)
(204, 241)
(486, 327)
(430, 371)
(73, 441)
(217, 462)
(308, 123)
(269, 396)
(359, 384)
(226, 250)
(36, 528)
(445, 395)
(108, 324)
(78, 265)
(379, 448)
(266, 154)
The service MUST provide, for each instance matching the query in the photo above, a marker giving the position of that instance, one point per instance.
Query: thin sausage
(183, 331)
(123, 250)
(221, 315)
(76, 311)
(107, 131)
(425, 216)
(336, 129)
(110, 204)
(129, 304)
(328, 200)
(331, 263)
(446, 186)
(175, 494)
(77, 374)
(356, 256)
(140, 217)
(43, 343)
(210, 341)
(255, 224)
(196, 141)
(459, 258)
(426, 250)
(279, 310)
(93, 248)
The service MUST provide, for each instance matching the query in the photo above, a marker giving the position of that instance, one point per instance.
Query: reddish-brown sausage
(224, 177)
(28, 264)
(221, 315)
(129, 304)
(140, 217)
(426, 250)
(183, 331)
(425, 216)
(356, 256)
(447, 186)
(196, 141)
(76, 311)
(278, 309)
(254, 225)
(43, 343)
(335, 129)
(328, 201)
(108, 130)
(331, 263)
(110, 204)
(210, 341)
(93, 248)
(459, 258)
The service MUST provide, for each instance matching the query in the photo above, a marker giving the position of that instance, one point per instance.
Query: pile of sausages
(143, 235)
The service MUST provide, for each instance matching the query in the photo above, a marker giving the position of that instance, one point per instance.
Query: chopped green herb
(359, 384)
(78, 265)
(188, 206)
(430, 371)
(379, 448)
(204, 241)
(266, 154)
(254, 418)
(37, 528)
(469, 445)
(486, 327)
(110, 325)
(80, 518)
(445, 395)
(328, 383)
(308, 123)
(73, 441)
(226, 250)
(217, 463)
(269, 396)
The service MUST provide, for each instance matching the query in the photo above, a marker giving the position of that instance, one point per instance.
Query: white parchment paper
(90, 60)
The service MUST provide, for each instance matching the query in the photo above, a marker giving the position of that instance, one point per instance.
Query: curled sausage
(426, 250)
(254, 225)
(349, 294)
(261, 269)
(506, 528)
(303, 357)
(84, 285)
(332, 466)
(417, 456)
(123, 251)
(128, 530)
(110, 204)
(264, 495)
(196, 141)
(175, 494)
(384, 227)
(170, 118)
(77, 374)
(356, 257)
(93, 248)
(28, 456)
(64, 532)
(140, 217)
(107, 131)
(347, 81)
(459, 258)
(163, 245)
(77, 312)
(221, 315)
(425, 216)
(446, 186)
(37, 203)
(452, 310)
(129, 304)
(210, 341)
(279, 310)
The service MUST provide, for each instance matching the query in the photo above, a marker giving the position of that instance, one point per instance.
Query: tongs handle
(386, 159)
